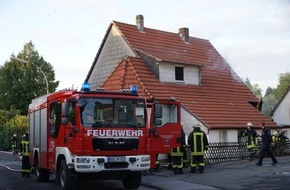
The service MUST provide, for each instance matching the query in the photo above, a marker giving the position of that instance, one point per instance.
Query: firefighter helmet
(196, 125)
(249, 124)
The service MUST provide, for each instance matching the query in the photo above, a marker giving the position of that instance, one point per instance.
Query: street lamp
(24, 61)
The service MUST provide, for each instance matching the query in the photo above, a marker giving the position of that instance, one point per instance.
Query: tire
(132, 180)
(67, 182)
(42, 175)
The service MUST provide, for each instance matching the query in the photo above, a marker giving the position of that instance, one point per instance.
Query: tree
(269, 91)
(284, 83)
(273, 95)
(21, 82)
(269, 102)
(255, 88)
(7, 115)
(17, 125)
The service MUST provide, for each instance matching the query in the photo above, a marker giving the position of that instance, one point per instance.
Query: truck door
(165, 129)
(54, 122)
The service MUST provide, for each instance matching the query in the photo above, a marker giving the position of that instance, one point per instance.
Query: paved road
(236, 175)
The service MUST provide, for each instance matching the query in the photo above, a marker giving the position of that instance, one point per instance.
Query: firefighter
(169, 160)
(279, 139)
(251, 135)
(266, 145)
(275, 138)
(281, 134)
(176, 155)
(26, 167)
(157, 164)
(14, 143)
(198, 142)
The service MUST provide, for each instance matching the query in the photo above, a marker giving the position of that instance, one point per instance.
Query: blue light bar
(134, 89)
(86, 87)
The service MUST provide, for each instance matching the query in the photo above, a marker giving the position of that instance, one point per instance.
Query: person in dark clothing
(14, 143)
(157, 164)
(198, 142)
(251, 135)
(26, 167)
(176, 155)
(266, 145)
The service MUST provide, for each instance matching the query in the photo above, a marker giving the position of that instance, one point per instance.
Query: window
(179, 73)
(223, 136)
(169, 114)
(54, 118)
(113, 112)
(72, 113)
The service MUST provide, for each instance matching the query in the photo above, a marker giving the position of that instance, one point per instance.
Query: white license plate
(116, 159)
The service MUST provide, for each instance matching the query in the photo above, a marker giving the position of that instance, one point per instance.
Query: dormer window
(179, 73)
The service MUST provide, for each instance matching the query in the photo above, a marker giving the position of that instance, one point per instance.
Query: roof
(221, 102)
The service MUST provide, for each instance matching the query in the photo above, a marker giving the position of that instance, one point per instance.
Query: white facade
(282, 112)
(223, 135)
(114, 48)
(218, 135)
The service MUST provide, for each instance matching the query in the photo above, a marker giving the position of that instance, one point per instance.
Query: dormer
(180, 73)
(166, 71)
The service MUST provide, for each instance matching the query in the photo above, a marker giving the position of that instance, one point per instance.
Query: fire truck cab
(105, 135)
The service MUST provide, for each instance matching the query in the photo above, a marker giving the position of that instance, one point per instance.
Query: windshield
(98, 112)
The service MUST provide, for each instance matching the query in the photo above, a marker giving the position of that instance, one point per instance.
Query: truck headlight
(83, 160)
(145, 159)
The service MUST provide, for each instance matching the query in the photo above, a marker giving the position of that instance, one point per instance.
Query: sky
(253, 36)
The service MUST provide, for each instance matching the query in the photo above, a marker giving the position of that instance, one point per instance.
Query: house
(165, 64)
(281, 113)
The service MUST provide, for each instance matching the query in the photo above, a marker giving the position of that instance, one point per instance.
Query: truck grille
(115, 143)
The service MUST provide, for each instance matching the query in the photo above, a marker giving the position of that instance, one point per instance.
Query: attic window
(179, 73)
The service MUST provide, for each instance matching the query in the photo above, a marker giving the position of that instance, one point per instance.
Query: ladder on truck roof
(38, 101)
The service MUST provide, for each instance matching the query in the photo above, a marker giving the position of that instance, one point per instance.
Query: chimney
(140, 22)
(184, 34)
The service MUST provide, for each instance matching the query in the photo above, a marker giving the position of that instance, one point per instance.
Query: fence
(224, 152)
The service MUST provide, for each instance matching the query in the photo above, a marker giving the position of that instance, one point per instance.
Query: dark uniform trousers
(199, 143)
(177, 159)
(197, 161)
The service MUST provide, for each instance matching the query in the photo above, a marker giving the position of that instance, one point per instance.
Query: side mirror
(82, 103)
(64, 113)
(157, 110)
(64, 120)
(64, 109)
(157, 121)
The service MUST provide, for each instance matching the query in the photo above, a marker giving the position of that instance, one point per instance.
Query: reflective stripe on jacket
(251, 136)
(176, 151)
(24, 148)
(198, 142)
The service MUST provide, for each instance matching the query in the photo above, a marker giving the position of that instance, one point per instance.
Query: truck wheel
(67, 182)
(42, 175)
(132, 180)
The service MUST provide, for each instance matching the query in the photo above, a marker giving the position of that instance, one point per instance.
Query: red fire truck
(105, 135)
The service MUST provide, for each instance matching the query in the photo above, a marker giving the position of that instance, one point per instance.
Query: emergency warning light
(134, 89)
(86, 87)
